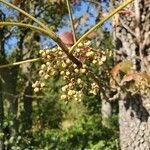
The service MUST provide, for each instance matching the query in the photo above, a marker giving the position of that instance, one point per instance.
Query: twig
(71, 20)
(25, 26)
(19, 63)
(116, 96)
(22, 94)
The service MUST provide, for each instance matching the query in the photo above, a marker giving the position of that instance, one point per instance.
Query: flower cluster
(56, 62)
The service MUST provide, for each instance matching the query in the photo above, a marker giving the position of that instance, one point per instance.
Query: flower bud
(67, 73)
(42, 85)
(46, 76)
(89, 54)
(82, 70)
(76, 70)
(103, 58)
(36, 89)
(64, 65)
(41, 73)
(94, 61)
(68, 61)
(63, 97)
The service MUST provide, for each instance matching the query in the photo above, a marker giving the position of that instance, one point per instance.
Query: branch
(19, 63)
(71, 20)
(25, 26)
(22, 94)
(100, 23)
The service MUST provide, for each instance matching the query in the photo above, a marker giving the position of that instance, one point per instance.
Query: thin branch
(19, 63)
(100, 23)
(26, 26)
(71, 20)
(22, 94)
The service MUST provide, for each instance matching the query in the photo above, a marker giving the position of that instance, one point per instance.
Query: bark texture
(134, 124)
(132, 40)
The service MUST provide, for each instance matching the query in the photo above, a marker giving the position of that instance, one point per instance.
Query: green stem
(71, 20)
(100, 23)
(26, 26)
(19, 63)
(53, 35)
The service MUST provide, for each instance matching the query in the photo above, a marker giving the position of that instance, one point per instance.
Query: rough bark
(134, 123)
(132, 37)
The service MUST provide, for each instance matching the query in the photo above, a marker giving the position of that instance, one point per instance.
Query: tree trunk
(134, 124)
(27, 100)
(10, 85)
(132, 39)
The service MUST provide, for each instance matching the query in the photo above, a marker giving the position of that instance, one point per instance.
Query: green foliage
(87, 133)
(48, 111)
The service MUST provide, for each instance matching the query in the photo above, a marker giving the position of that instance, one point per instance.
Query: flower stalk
(19, 63)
